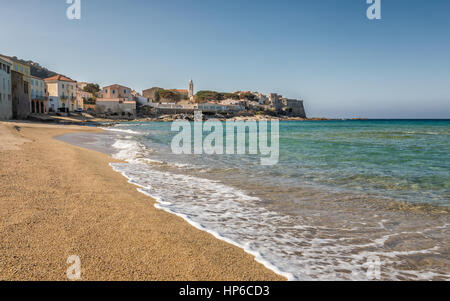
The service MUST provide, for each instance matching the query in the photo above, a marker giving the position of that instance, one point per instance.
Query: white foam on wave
(166, 206)
(274, 240)
(287, 245)
(127, 150)
(126, 131)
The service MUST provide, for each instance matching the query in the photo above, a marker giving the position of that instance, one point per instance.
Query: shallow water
(345, 194)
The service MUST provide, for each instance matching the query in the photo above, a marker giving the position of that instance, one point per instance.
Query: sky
(326, 52)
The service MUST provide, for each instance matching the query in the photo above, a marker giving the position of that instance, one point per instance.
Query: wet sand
(59, 200)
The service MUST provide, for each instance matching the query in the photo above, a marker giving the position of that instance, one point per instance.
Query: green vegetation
(36, 69)
(205, 96)
(248, 96)
(167, 95)
(92, 88)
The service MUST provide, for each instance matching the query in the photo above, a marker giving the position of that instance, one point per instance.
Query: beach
(59, 200)
(344, 194)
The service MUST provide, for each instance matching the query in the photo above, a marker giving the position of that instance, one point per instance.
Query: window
(8, 69)
(106, 91)
(63, 86)
(113, 91)
(124, 91)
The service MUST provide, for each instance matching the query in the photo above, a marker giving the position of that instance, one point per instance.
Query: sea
(348, 199)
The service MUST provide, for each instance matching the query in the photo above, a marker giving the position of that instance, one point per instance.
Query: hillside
(36, 69)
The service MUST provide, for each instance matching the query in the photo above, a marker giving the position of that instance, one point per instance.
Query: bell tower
(191, 90)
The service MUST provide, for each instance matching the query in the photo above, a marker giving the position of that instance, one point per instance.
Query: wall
(81, 97)
(150, 93)
(89, 108)
(20, 96)
(25, 70)
(141, 100)
(116, 91)
(295, 108)
(115, 106)
(5, 91)
(62, 94)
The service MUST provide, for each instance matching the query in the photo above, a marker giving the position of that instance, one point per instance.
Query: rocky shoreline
(86, 119)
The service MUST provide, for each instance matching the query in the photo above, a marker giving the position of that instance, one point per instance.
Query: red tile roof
(115, 86)
(59, 78)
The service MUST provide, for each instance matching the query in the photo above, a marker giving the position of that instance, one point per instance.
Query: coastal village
(28, 93)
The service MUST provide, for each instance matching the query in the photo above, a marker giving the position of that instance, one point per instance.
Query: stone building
(39, 96)
(116, 100)
(21, 68)
(82, 98)
(20, 96)
(151, 93)
(294, 107)
(275, 101)
(191, 91)
(116, 91)
(6, 108)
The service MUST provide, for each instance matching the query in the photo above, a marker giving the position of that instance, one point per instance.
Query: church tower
(191, 90)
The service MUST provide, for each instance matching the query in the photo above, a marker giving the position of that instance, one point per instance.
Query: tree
(168, 95)
(205, 96)
(249, 96)
(92, 88)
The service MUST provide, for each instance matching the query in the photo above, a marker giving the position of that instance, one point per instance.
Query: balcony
(45, 98)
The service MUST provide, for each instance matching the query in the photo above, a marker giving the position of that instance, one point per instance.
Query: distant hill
(36, 69)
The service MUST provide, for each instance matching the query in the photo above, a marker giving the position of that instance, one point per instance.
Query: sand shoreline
(61, 200)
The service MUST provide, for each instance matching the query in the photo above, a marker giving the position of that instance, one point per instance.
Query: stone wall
(294, 107)
(111, 106)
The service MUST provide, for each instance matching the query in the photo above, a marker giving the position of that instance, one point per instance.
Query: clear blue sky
(325, 51)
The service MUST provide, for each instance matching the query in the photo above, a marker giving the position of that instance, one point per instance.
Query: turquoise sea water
(405, 160)
(344, 194)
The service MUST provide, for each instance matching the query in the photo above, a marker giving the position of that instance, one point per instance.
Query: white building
(61, 93)
(140, 100)
(6, 109)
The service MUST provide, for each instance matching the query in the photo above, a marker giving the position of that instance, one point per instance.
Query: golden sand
(59, 200)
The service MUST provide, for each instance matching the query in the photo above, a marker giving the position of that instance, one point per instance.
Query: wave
(296, 247)
(127, 131)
